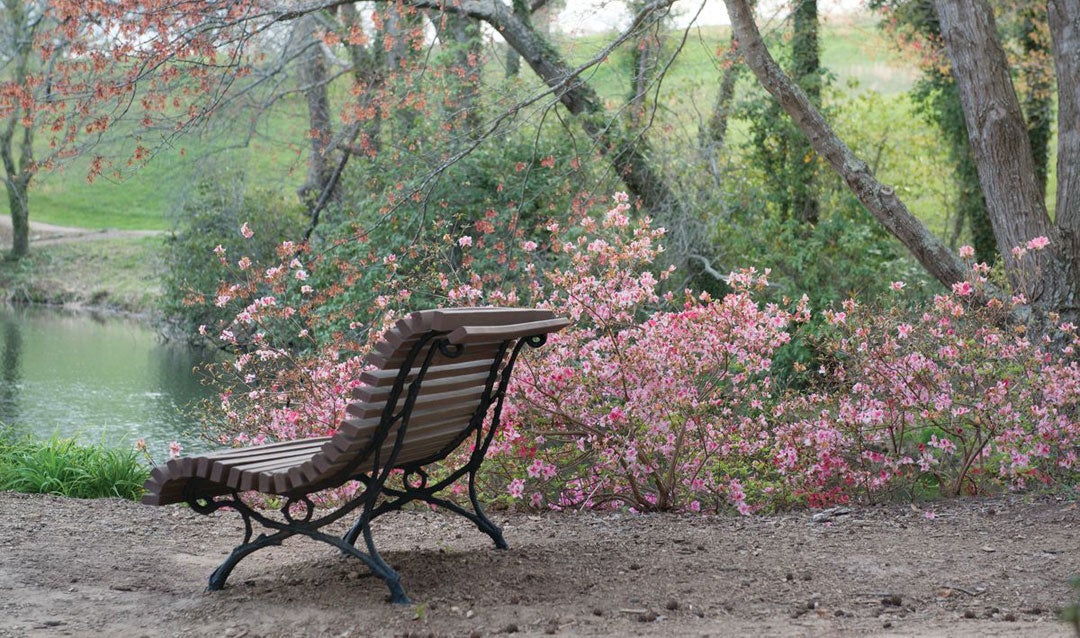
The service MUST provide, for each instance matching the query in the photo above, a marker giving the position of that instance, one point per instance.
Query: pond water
(99, 377)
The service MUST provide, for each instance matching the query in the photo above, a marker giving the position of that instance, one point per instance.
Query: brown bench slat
(425, 400)
(381, 380)
(397, 360)
(448, 319)
(472, 334)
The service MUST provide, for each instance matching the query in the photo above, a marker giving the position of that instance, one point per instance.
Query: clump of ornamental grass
(65, 467)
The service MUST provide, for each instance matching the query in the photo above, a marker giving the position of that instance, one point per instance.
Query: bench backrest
(438, 373)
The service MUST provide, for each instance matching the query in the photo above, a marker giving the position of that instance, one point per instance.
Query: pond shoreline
(120, 274)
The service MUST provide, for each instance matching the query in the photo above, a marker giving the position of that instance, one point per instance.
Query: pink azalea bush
(665, 401)
(952, 398)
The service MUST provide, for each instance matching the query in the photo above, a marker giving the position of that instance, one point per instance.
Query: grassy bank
(118, 273)
(68, 468)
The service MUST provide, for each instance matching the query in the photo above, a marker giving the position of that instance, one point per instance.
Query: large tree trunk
(999, 139)
(1064, 17)
(998, 135)
(879, 199)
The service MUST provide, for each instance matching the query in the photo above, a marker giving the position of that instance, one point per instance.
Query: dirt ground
(978, 568)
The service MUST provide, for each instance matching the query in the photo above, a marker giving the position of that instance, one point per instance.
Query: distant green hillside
(275, 156)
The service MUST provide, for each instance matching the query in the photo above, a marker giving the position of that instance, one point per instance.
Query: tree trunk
(645, 58)
(879, 199)
(1064, 18)
(313, 82)
(998, 136)
(20, 215)
(628, 155)
(806, 69)
(462, 34)
(19, 171)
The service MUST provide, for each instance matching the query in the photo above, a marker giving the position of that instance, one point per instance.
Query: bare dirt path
(980, 568)
(46, 234)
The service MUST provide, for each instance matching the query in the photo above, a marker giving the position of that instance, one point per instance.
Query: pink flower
(464, 241)
(244, 263)
(903, 330)
(516, 488)
(140, 445)
(528, 246)
(930, 515)
(967, 252)
(897, 285)
(962, 288)
(1038, 243)
(175, 449)
(246, 231)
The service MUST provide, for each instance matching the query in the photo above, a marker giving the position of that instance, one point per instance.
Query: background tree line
(419, 119)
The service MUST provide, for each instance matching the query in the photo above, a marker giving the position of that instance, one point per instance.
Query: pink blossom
(528, 246)
(962, 288)
(516, 488)
(175, 449)
(464, 241)
(1038, 243)
(246, 231)
(897, 285)
(966, 252)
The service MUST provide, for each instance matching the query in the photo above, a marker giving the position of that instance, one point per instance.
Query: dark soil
(980, 567)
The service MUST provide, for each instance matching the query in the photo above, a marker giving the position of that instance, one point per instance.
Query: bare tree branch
(878, 198)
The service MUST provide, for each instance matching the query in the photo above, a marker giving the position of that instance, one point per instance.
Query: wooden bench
(440, 380)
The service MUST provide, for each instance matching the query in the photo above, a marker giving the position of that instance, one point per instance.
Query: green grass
(67, 468)
(121, 273)
(141, 198)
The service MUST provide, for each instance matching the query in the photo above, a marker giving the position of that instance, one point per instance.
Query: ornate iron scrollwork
(309, 509)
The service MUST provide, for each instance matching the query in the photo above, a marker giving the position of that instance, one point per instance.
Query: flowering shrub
(663, 401)
(952, 398)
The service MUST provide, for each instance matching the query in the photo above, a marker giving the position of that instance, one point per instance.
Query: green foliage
(210, 217)
(496, 195)
(1071, 612)
(66, 468)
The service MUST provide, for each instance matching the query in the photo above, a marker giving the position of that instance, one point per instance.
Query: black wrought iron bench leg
(221, 574)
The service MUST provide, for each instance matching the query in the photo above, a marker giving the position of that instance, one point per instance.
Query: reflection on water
(100, 377)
